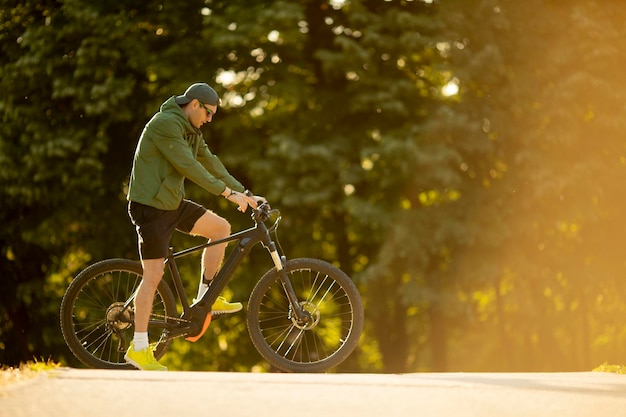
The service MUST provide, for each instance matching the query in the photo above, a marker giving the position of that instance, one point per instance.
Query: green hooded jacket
(170, 149)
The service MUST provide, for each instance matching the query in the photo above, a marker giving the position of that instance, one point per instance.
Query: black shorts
(155, 227)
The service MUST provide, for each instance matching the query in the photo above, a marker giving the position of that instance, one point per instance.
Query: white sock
(140, 340)
(203, 288)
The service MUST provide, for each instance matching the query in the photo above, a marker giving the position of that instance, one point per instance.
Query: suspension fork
(279, 262)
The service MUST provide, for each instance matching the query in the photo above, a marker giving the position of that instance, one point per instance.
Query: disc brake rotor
(313, 313)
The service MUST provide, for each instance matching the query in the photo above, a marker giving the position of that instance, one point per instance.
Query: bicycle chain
(176, 319)
(166, 332)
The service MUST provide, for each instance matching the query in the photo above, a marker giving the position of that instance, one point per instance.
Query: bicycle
(303, 315)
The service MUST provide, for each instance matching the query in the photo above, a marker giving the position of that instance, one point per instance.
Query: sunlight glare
(273, 36)
(226, 78)
(337, 4)
(451, 88)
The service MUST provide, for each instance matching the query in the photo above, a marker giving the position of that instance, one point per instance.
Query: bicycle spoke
(329, 319)
(97, 319)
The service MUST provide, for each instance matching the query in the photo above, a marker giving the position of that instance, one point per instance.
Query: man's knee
(153, 271)
(219, 229)
(211, 226)
(224, 228)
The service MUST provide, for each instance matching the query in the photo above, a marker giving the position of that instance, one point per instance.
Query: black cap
(200, 91)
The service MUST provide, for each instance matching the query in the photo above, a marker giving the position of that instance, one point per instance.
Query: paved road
(95, 393)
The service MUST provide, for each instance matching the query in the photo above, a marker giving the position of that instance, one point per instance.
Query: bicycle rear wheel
(331, 299)
(96, 326)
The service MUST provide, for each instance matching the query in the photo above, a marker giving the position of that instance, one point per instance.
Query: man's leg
(139, 353)
(211, 226)
(152, 274)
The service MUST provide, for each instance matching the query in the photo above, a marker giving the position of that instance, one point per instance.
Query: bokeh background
(463, 160)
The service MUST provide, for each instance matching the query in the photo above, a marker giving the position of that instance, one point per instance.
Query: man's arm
(213, 164)
(176, 151)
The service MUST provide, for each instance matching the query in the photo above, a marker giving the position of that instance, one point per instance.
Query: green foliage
(614, 369)
(484, 228)
(542, 186)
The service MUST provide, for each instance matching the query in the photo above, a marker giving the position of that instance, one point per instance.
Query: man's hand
(254, 200)
(243, 200)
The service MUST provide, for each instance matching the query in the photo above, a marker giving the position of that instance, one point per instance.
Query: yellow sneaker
(143, 359)
(221, 306)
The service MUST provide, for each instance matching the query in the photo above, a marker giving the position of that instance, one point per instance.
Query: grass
(11, 375)
(615, 369)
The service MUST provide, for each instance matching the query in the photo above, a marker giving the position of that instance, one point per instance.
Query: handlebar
(264, 212)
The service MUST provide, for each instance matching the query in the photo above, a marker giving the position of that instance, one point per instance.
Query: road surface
(95, 393)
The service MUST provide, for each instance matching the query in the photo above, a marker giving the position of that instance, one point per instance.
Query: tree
(535, 205)
(461, 160)
(73, 85)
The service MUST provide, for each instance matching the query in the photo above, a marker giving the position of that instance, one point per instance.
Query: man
(170, 149)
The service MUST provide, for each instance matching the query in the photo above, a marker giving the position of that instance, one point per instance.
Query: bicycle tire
(334, 304)
(94, 328)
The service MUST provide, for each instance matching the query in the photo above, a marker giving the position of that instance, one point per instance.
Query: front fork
(301, 315)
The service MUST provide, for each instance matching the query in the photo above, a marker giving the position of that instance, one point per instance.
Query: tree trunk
(438, 339)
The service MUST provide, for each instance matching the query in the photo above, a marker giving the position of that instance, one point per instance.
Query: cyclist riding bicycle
(171, 148)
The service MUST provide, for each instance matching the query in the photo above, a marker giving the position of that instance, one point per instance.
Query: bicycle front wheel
(335, 310)
(96, 325)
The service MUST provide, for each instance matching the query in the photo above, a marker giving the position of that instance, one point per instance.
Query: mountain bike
(303, 315)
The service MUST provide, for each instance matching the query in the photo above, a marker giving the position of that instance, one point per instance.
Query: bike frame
(195, 314)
